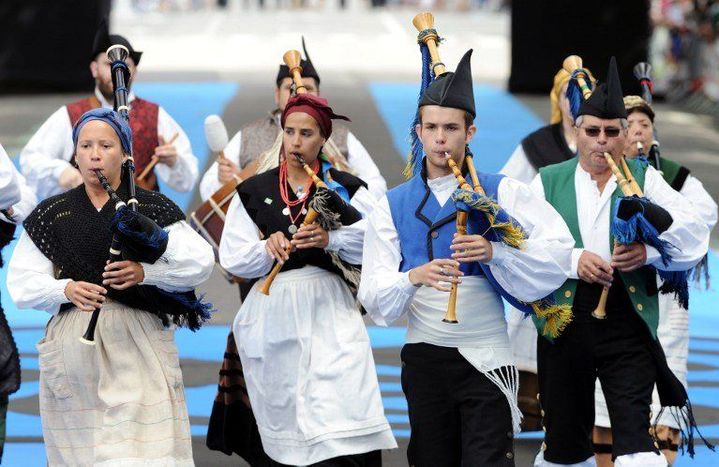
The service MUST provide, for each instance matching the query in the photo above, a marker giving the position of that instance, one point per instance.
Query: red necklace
(285, 194)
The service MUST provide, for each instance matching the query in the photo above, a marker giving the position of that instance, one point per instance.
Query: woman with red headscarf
(307, 360)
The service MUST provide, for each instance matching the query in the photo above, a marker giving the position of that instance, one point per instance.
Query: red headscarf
(315, 107)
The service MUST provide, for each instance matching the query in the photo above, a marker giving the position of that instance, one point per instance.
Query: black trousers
(613, 350)
(457, 415)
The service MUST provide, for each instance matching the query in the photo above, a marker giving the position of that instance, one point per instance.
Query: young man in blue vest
(621, 350)
(459, 379)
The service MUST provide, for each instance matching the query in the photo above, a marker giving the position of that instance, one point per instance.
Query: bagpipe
(634, 217)
(326, 206)
(117, 54)
(643, 74)
(471, 199)
(136, 237)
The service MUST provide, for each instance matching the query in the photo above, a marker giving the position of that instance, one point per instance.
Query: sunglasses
(593, 132)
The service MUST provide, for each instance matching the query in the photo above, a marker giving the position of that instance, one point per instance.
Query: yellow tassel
(408, 168)
(557, 317)
(510, 234)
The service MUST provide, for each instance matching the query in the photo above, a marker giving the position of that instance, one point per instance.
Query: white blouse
(187, 263)
(531, 273)
(243, 253)
(687, 233)
(14, 191)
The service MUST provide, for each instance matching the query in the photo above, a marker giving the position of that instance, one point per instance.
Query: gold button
(544, 428)
(640, 307)
(567, 293)
(510, 455)
(537, 396)
(632, 289)
(544, 446)
(542, 412)
(435, 234)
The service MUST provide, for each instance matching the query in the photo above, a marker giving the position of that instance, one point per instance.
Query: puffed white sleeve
(543, 264)
(186, 263)
(47, 154)
(518, 166)
(183, 174)
(384, 291)
(688, 234)
(31, 279)
(242, 251)
(348, 240)
(704, 205)
(210, 183)
(366, 169)
(10, 192)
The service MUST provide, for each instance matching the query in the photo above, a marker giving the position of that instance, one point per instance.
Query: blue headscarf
(110, 117)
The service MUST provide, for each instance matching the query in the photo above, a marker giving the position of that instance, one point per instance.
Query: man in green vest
(673, 328)
(621, 350)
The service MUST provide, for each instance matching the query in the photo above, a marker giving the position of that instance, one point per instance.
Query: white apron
(118, 403)
(309, 369)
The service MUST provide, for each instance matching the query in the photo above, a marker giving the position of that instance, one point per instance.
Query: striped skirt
(120, 402)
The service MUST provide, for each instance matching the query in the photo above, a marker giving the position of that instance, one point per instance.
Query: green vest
(558, 181)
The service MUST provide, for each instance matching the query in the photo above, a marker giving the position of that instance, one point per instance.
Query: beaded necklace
(301, 198)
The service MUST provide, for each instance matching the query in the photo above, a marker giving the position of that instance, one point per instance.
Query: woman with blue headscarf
(121, 401)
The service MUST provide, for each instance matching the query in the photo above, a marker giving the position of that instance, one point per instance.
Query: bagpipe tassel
(676, 282)
(638, 229)
(557, 317)
(416, 152)
(504, 228)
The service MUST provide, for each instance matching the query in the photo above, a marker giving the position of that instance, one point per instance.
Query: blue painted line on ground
(397, 418)
(705, 396)
(390, 387)
(700, 345)
(395, 403)
(388, 370)
(401, 433)
(27, 389)
(703, 359)
(708, 376)
(21, 424)
(502, 120)
(26, 454)
(189, 103)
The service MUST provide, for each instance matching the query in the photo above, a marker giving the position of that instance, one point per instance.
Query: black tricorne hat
(308, 69)
(104, 40)
(453, 89)
(607, 99)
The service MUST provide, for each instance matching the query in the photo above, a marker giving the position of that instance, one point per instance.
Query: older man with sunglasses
(621, 350)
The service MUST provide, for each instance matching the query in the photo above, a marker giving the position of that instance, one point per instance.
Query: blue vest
(426, 229)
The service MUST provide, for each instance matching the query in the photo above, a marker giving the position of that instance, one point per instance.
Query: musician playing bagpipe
(46, 159)
(458, 374)
(307, 362)
(120, 401)
(613, 333)
(548, 145)
(255, 141)
(673, 321)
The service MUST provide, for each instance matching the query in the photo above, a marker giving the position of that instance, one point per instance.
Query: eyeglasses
(593, 132)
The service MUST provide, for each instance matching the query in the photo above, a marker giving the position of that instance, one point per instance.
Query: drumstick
(154, 160)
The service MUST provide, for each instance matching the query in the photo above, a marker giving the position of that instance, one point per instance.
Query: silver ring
(442, 271)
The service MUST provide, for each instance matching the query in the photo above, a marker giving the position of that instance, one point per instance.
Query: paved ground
(202, 63)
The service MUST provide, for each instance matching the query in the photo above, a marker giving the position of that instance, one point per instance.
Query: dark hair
(468, 118)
